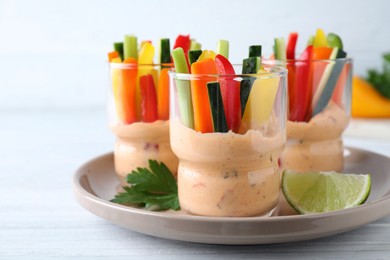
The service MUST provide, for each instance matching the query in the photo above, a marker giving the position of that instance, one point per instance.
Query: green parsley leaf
(381, 79)
(154, 188)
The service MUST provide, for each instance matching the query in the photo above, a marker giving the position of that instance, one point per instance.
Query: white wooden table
(40, 219)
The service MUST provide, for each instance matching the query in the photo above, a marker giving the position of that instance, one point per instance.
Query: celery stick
(130, 47)
(280, 49)
(223, 48)
(165, 51)
(193, 55)
(217, 109)
(179, 60)
(310, 40)
(195, 45)
(183, 88)
(255, 51)
(118, 46)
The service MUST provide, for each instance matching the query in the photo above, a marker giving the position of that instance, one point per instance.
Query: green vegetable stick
(217, 109)
(324, 78)
(165, 51)
(255, 51)
(327, 93)
(130, 47)
(334, 41)
(118, 46)
(193, 55)
(250, 65)
(223, 48)
(183, 88)
(310, 41)
(195, 45)
(280, 49)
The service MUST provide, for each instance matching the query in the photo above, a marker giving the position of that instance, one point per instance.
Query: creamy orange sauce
(316, 145)
(227, 174)
(139, 142)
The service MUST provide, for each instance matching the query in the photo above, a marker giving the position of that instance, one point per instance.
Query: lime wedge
(324, 191)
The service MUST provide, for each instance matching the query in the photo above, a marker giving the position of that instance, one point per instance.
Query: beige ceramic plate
(95, 183)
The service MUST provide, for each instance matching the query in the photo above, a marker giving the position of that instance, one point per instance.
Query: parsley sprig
(381, 79)
(154, 188)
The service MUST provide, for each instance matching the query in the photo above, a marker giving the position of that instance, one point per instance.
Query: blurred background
(53, 53)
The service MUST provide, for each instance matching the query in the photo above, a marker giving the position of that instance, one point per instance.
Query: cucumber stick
(118, 47)
(165, 51)
(324, 77)
(334, 41)
(183, 88)
(216, 106)
(250, 65)
(255, 51)
(223, 48)
(328, 81)
(193, 55)
(130, 47)
(280, 49)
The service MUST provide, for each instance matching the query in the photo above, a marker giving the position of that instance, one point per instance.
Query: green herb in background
(154, 188)
(381, 80)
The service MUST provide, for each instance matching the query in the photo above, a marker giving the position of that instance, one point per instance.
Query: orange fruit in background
(367, 102)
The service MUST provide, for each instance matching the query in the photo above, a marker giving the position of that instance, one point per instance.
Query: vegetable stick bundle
(317, 76)
(213, 98)
(140, 87)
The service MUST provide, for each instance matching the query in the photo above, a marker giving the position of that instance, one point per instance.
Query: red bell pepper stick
(292, 42)
(302, 91)
(184, 42)
(230, 91)
(148, 98)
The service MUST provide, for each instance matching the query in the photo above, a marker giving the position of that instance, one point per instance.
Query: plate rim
(82, 195)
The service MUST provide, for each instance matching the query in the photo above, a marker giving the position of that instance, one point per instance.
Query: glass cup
(319, 110)
(228, 132)
(319, 100)
(138, 111)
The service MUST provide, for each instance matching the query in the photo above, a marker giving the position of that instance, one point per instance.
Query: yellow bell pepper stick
(320, 39)
(260, 103)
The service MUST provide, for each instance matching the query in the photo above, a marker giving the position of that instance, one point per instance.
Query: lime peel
(318, 192)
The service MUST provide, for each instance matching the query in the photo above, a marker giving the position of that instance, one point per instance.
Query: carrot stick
(163, 95)
(112, 55)
(127, 90)
(202, 111)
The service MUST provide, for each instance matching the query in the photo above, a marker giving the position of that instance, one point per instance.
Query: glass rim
(117, 65)
(280, 72)
(268, 61)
